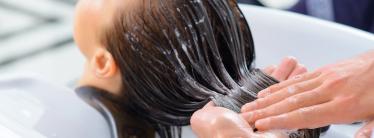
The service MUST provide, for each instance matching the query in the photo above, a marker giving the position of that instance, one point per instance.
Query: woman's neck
(127, 126)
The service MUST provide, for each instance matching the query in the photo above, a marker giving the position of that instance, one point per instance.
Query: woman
(155, 62)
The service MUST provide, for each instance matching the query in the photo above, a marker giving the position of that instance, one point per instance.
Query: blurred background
(36, 36)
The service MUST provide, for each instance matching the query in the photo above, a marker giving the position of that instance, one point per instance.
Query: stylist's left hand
(219, 122)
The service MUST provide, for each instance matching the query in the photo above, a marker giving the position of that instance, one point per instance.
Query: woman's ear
(103, 64)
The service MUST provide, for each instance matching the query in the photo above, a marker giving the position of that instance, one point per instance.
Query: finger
(365, 131)
(281, 95)
(270, 69)
(309, 117)
(287, 83)
(302, 100)
(285, 68)
(300, 69)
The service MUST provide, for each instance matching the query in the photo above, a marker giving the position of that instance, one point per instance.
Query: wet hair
(177, 55)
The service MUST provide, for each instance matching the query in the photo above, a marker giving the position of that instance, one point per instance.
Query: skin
(366, 131)
(218, 122)
(92, 17)
(288, 68)
(335, 94)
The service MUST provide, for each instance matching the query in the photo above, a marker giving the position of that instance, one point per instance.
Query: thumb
(366, 131)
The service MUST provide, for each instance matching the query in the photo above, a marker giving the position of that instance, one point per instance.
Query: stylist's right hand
(338, 93)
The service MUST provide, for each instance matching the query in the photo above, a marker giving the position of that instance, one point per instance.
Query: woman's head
(164, 46)
(97, 21)
(175, 54)
(164, 59)
(92, 19)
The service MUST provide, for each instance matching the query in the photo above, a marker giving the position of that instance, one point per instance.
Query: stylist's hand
(288, 68)
(338, 93)
(219, 122)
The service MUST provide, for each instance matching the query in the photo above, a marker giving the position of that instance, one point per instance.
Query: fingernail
(249, 107)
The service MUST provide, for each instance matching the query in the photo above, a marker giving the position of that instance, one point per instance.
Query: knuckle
(316, 94)
(336, 82)
(296, 87)
(298, 77)
(273, 88)
(304, 113)
(338, 74)
(262, 102)
(293, 101)
(305, 76)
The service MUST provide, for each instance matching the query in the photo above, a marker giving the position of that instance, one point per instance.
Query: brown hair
(177, 55)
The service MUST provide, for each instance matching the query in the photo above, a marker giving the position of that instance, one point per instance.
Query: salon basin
(33, 107)
(62, 114)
